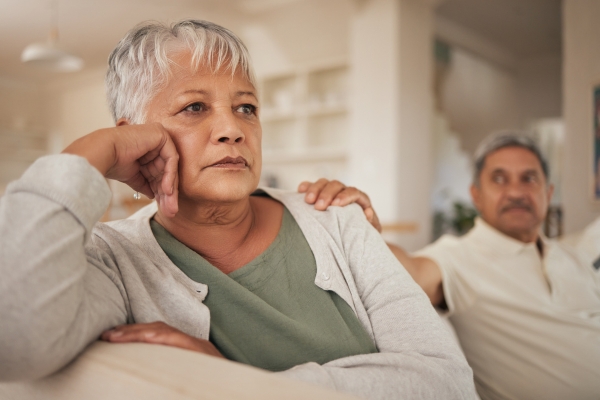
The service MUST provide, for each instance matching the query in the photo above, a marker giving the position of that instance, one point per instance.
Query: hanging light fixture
(48, 55)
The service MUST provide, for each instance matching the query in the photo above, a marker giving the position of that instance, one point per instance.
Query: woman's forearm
(141, 156)
(48, 288)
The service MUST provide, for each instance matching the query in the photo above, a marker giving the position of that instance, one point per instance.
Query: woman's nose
(226, 128)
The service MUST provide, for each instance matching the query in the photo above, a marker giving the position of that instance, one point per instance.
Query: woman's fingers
(168, 203)
(158, 333)
(169, 191)
(160, 168)
(140, 184)
(142, 156)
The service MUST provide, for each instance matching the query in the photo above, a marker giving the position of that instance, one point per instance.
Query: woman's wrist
(97, 148)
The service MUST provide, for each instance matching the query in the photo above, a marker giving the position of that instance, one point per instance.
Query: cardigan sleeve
(56, 298)
(417, 356)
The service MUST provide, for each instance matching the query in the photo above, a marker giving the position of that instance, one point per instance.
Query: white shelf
(327, 111)
(274, 116)
(305, 156)
(305, 124)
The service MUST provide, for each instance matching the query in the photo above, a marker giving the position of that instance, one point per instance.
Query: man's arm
(424, 271)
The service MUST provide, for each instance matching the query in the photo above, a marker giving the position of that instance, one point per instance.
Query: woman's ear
(123, 122)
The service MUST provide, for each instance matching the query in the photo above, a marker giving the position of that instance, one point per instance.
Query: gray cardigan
(66, 278)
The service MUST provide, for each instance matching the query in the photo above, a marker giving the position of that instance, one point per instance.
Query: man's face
(513, 194)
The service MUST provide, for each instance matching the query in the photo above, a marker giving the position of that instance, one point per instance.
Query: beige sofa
(146, 371)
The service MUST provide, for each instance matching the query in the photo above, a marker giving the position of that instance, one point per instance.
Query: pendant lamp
(48, 55)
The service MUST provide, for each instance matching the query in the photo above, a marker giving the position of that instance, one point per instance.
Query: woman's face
(213, 120)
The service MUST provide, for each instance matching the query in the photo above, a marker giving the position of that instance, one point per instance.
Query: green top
(269, 313)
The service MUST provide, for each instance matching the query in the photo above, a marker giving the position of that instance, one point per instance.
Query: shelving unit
(305, 124)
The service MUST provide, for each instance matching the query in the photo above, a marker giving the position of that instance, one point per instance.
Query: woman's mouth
(231, 163)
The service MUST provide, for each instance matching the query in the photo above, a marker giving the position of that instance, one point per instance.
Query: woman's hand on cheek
(142, 156)
(159, 333)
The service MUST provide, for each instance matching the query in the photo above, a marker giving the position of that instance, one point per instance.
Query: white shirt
(529, 325)
(588, 243)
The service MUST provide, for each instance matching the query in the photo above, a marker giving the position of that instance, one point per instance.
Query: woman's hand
(159, 333)
(324, 193)
(142, 156)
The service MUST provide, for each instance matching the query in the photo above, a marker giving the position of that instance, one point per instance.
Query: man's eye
(498, 179)
(247, 109)
(530, 178)
(194, 107)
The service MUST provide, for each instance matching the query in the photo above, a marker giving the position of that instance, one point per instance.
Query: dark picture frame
(596, 146)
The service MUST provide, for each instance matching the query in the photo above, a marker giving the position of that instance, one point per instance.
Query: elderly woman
(213, 266)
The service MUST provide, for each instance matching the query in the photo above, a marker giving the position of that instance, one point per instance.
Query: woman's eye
(247, 109)
(195, 107)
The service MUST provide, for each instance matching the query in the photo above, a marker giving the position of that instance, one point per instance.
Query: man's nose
(516, 190)
(226, 127)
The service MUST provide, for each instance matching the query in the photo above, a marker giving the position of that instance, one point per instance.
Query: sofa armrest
(147, 371)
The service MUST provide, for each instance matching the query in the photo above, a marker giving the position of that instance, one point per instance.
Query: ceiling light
(48, 55)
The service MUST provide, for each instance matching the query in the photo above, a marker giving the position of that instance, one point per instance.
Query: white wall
(22, 134)
(581, 70)
(453, 171)
(539, 88)
(415, 156)
(390, 151)
(489, 88)
(375, 82)
(20, 105)
(479, 97)
(298, 34)
(76, 106)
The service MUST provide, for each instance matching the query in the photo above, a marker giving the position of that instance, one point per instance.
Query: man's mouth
(231, 162)
(516, 208)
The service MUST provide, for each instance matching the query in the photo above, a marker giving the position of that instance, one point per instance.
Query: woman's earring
(137, 196)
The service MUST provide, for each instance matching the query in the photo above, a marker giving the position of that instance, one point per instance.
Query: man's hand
(159, 333)
(142, 156)
(324, 193)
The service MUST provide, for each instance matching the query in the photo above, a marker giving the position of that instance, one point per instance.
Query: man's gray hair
(140, 64)
(501, 140)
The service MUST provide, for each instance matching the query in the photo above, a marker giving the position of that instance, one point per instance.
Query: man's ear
(550, 192)
(476, 196)
(123, 122)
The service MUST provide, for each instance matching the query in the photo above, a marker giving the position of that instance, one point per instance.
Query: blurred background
(391, 96)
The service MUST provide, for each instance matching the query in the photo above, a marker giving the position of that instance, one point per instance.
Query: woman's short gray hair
(501, 140)
(140, 64)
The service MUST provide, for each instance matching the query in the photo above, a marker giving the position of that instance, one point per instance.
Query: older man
(526, 309)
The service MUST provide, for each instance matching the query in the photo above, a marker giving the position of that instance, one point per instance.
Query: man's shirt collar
(491, 237)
